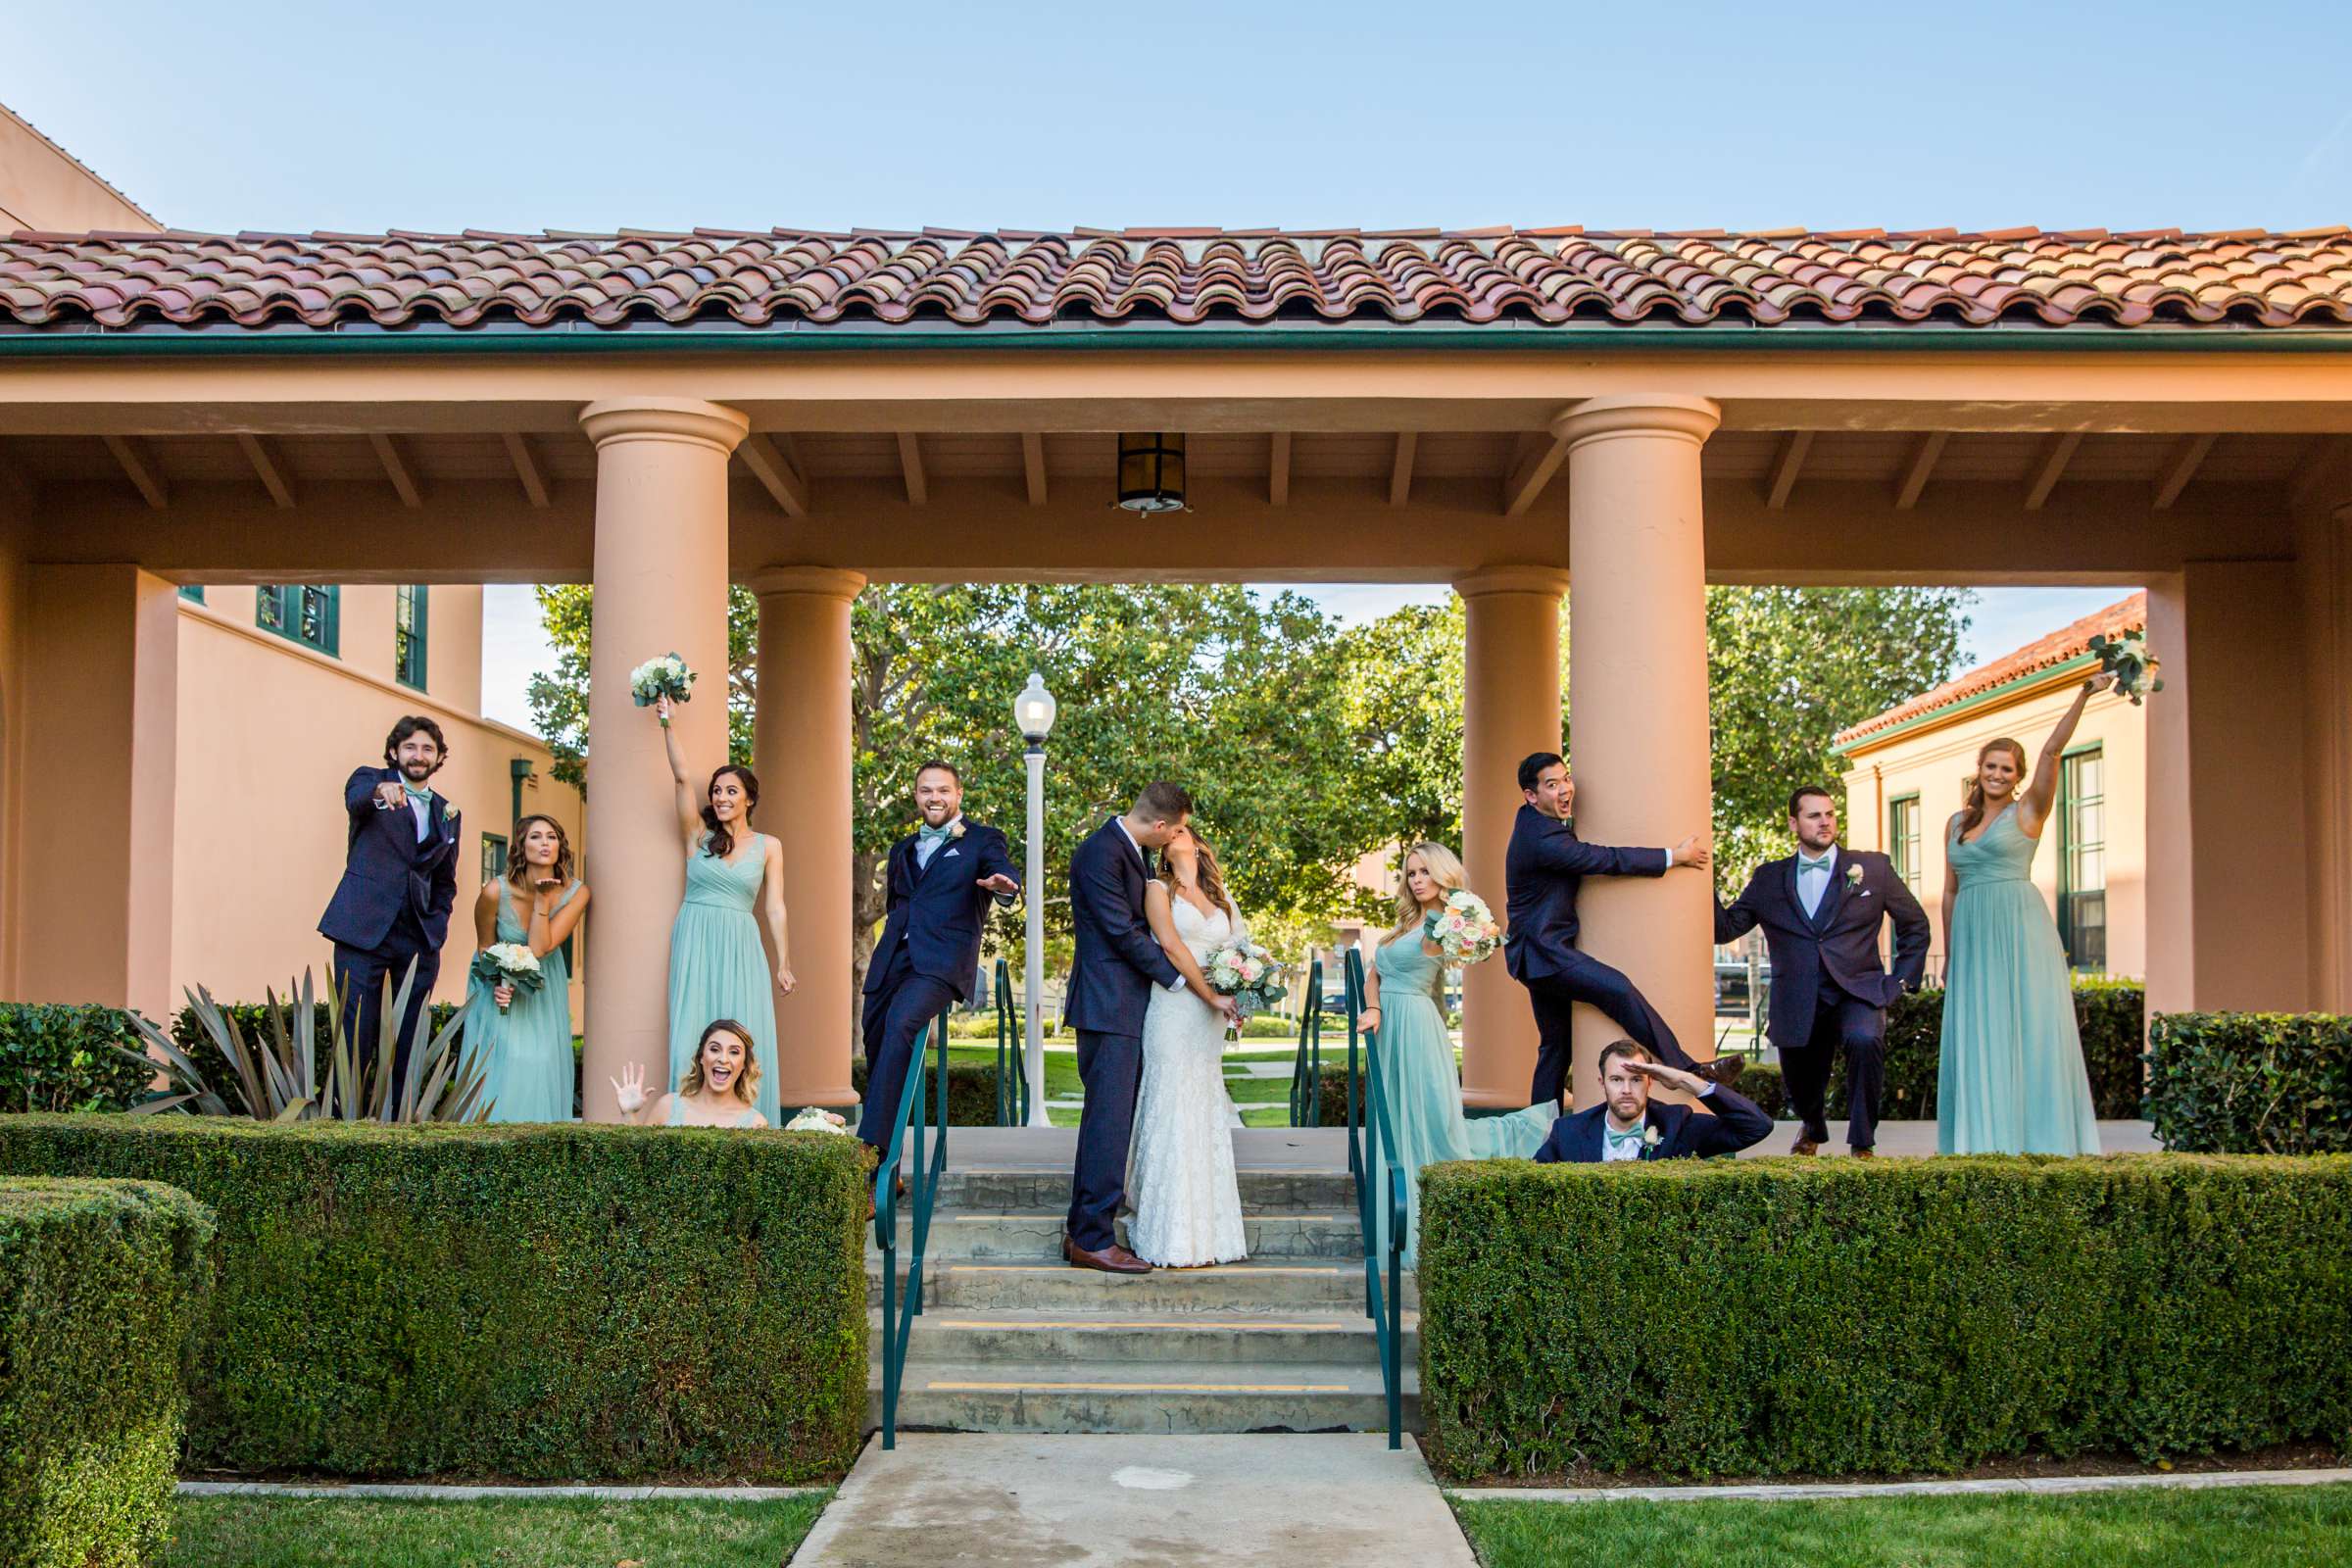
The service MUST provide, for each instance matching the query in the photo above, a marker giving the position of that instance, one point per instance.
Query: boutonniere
(1649, 1137)
(955, 830)
(1853, 876)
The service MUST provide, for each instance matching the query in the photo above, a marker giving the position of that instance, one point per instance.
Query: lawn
(494, 1533)
(1263, 1101)
(2244, 1527)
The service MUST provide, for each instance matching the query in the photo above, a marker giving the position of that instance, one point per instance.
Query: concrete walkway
(939, 1500)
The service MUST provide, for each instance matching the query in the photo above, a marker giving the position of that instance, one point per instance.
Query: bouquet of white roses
(818, 1119)
(1464, 930)
(657, 678)
(2128, 660)
(508, 963)
(1246, 972)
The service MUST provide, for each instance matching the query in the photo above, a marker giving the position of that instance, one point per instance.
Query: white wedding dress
(1188, 1203)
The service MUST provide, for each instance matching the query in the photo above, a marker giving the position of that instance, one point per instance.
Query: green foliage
(254, 1020)
(1835, 1317)
(2245, 1083)
(546, 1532)
(102, 1285)
(55, 1057)
(559, 697)
(536, 1302)
(971, 1088)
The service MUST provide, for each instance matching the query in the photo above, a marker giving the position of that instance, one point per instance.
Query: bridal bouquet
(657, 678)
(1465, 931)
(2128, 660)
(1246, 972)
(508, 963)
(818, 1119)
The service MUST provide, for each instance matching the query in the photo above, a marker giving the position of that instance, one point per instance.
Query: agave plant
(274, 1077)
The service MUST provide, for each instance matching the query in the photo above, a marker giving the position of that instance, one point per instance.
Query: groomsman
(1624, 1125)
(1821, 910)
(939, 880)
(1543, 869)
(400, 879)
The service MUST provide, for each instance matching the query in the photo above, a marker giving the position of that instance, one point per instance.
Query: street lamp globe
(1033, 710)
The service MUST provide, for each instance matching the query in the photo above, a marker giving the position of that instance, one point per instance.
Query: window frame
(411, 657)
(2070, 845)
(1907, 864)
(491, 872)
(278, 608)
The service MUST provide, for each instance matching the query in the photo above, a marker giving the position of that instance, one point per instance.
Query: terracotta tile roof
(1182, 275)
(2130, 614)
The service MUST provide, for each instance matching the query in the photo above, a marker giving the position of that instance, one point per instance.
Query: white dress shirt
(925, 849)
(1813, 878)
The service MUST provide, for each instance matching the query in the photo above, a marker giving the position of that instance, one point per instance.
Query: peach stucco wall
(41, 187)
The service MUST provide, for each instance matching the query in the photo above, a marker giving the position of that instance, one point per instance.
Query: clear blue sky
(270, 115)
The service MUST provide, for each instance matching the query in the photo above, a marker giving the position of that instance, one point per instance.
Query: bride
(1188, 1203)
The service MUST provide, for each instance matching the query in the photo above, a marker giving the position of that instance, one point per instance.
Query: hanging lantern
(1152, 472)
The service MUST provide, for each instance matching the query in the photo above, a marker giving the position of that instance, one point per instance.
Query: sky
(265, 115)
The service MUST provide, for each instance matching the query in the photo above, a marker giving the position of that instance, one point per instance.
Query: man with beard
(390, 912)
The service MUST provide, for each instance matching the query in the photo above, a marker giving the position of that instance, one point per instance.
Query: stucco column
(1510, 707)
(1638, 700)
(801, 751)
(2323, 570)
(660, 587)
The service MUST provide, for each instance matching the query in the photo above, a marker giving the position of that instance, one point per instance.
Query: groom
(1110, 985)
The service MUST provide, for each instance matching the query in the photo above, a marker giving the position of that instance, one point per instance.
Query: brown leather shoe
(1112, 1259)
(1723, 1070)
(1805, 1146)
(1864, 1154)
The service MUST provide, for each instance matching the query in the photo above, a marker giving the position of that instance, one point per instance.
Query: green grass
(494, 1533)
(2243, 1527)
(1263, 1101)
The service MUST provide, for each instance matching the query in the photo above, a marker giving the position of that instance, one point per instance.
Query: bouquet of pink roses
(1246, 972)
(1464, 930)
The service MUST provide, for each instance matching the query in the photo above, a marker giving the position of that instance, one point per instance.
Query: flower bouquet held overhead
(1246, 972)
(657, 678)
(2128, 660)
(510, 964)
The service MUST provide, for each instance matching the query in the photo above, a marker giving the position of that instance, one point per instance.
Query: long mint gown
(1424, 1090)
(526, 1054)
(719, 966)
(2011, 1080)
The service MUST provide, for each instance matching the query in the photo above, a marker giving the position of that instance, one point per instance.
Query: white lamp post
(1033, 715)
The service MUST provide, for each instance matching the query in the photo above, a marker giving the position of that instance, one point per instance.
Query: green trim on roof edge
(1927, 718)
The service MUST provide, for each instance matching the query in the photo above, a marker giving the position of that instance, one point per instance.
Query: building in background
(1907, 772)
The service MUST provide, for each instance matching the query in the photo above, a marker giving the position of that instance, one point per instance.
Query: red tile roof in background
(2130, 614)
(1184, 275)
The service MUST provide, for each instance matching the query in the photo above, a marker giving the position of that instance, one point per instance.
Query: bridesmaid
(1418, 1077)
(2011, 1080)
(720, 1087)
(527, 1052)
(718, 966)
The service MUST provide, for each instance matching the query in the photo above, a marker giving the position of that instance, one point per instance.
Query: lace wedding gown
(1188, 1203)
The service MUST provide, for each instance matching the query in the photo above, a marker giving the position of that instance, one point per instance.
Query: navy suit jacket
(1838, 941)
(1541, 871)
(1682, 1133)
(937, 911)
(1117, 962)
(387, 867)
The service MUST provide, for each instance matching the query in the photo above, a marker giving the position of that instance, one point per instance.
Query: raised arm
(1160, 913)
(1563, 851)
(772, 911)
(2041, 790)
(364, 789)
(689, 810)
(629, 1092)
(996, 869)
(550, 927)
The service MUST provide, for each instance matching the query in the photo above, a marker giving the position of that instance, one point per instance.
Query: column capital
(831, 582)
(1530, 579)
(649, 419)
(1638, 414)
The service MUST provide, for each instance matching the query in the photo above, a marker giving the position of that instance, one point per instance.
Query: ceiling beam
(16, 487)
(2056, 456)
(268, 468)
(1278, 469)
(2188, 455)
(910, 460)
(777, 474)
(1532, 474)
(396, 469)
(1033, 465)
(1786, 464)
(1400, 469)
(526, 469)
(139, 465)
(1924, 454)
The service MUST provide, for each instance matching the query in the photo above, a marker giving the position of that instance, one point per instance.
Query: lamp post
(1033, 715)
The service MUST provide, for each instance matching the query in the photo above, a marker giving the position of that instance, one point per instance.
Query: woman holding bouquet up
(2011, 1079)
(522, 1035)
(1418, 1078)
(734, 884)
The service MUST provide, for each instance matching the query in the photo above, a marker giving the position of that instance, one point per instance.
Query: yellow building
(1907, 772)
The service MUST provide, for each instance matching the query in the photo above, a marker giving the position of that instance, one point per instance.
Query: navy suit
(927, 956)
(1542, 869)
(1682, 1133)
(1116, 966)
(1828, 987)
(391, 909)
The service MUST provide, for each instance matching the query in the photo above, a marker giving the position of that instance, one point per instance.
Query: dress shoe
(1864, 1154)
(1723, 1070)
(1114, 1259)
(1805, 1146)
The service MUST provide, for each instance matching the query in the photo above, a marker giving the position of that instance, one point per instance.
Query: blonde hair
(1974, 812)
(746, 1086)
(1445, 869)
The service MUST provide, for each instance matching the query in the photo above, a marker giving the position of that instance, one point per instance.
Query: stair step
(1144, 1396)
(975, 1335)
(1237, 1287)
(1035, 1236)
(1048, 1191)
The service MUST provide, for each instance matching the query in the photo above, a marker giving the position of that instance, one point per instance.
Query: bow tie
(415, 794)
(932, 835)
(1618, 1140)
(1822, 864)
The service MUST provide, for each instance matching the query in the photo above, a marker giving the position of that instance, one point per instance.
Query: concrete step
(974, 1336)
(1048, 1191)
(1176, 1397)
(1036, 1237)
(1291, 1285)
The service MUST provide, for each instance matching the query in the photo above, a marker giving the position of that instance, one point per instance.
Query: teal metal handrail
(1307, 1069)
(1372, 1150)
(1012, 1081)
(898, 1324)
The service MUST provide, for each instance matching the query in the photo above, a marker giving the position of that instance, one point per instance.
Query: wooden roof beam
(1033, 465)
(1278, 469)
(397, 472)
(910, 460)
(1532, 473)
(777, 474)
(527, 469)
(270, 469)
(1786, 464)
(1400, 467)
(2051, 468)
(139, 465)
(2188, 455)
(1924, 457)
(16, 486)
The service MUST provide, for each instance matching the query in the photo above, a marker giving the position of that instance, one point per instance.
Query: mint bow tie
(1822, 864)
(415, 794)
(929, 834)
(1618, 1140)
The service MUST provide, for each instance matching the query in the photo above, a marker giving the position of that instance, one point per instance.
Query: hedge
(101, 1288)
(55, 1057)
(972, 1090)
(2246, 1083)
(1834, 1318)
(537, 1302)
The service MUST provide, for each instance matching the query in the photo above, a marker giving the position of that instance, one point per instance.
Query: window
(2082, 858)
(407, 636)
(494, 857)
(1902, 838)
(192, 592)
(302, 611)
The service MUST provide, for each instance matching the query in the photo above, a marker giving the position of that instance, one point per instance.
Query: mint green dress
(526, 1056)
(2011, 1080)
(719, 966)
(1424, 1090)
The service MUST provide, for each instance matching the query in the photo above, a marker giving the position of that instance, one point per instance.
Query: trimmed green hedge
(55, 1057)
(102, 1285)
(537, 1302)
(1834, 1318)
(972, 1090)
(2244, 1083)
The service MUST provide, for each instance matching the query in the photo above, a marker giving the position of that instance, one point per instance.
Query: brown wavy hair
(1212, 878)
(747, 1082)
(516, 866)
(722, 839)
(1974, 812)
